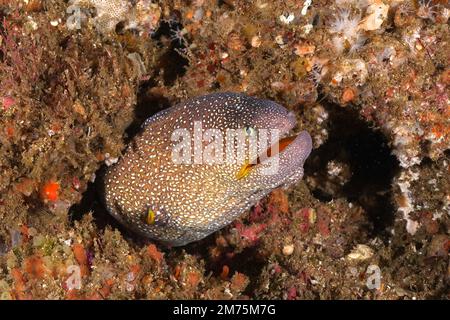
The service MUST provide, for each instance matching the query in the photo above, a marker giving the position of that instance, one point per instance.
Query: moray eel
(178, 203)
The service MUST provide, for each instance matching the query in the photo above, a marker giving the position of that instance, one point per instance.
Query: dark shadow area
(172, 62)
(248, 262)
(148, 104)
(92, 202)
(226, 3)
(365, 151)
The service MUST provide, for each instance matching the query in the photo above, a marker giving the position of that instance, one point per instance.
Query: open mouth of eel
(274, 150)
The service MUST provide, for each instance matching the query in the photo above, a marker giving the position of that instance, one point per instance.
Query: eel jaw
(293, 151)
(296, 147)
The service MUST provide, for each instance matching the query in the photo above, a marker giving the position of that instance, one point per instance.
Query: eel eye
(150, 218)
(156, 217)
(250, 131)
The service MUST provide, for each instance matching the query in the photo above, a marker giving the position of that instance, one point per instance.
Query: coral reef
(368, 79)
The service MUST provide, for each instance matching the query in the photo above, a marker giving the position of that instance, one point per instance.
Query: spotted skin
(190, 201)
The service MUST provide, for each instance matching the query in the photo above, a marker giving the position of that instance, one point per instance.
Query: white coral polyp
(345, 25)
(347, 32)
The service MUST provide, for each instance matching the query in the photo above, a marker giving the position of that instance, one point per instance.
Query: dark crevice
(226, 3)
(366, 153)
(248, 262)
(172, 63)
(91, 202)
(447, 153)
(148, 104)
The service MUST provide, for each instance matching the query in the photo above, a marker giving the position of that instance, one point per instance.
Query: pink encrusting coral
(8, 102)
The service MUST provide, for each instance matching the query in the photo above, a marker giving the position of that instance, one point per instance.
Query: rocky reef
(368, 79)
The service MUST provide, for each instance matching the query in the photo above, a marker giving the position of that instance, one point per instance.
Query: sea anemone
(346, 30)
(344, 24)
(317, 73)
(426, 10)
